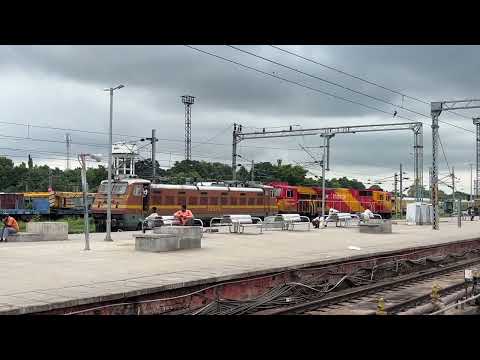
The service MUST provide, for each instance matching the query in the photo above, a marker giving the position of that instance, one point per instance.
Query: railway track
(401, 294)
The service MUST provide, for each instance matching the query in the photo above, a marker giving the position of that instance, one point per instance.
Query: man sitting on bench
(332, 216)
(10, 227)
(184, 216)
(367, 215)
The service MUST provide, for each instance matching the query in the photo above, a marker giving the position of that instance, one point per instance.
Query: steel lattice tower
(476, 122)
(68, 140)
(188, 101)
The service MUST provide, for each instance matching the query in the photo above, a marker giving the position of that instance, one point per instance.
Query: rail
(446, 308)
(353, 293)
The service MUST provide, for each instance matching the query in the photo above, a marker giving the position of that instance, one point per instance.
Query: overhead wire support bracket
(436, 109)
(416, 127)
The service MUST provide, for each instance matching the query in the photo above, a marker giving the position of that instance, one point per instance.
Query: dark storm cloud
(62, 86)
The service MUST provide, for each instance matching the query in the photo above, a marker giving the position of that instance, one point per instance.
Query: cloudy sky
(62, 87)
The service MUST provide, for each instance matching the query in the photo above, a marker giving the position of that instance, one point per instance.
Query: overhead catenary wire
(329, 82)
(346, 88)
(207, 142)
(297, 83)
(444, 155)
(363, 80)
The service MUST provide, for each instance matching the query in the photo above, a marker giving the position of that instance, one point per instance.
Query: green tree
(7, 180)
(243, 174)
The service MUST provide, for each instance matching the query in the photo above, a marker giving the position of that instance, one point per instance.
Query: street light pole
(323, 175)
(81, 159)
(108, 236)
(401, 191)
(253, 169)
(471, 183)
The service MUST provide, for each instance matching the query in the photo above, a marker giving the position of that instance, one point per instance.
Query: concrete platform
(25, 237)
(47, 275)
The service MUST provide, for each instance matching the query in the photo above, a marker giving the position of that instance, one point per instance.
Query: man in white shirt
(332, 216)
(367, 215)
(150, 219)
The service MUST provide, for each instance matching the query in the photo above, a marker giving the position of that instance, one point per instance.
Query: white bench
(238, 223)
(377, 218)
(275, 222)
(348, 219)
(294, 220)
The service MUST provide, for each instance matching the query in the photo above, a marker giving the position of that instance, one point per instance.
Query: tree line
(30, 177)
(190, 171)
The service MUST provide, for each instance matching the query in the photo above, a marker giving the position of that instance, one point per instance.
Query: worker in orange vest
(10, 226)
(184, 216)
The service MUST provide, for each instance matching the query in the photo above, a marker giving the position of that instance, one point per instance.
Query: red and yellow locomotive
(308, 200)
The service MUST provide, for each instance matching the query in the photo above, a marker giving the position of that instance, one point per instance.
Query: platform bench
(275, 222)
(166, 241)
(295, 220)
(380, 227)
(49, 230)
(238, 223)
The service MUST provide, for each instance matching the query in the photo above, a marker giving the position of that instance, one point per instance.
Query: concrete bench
(170, 238)
(24, 237)
(189, 236)
(377, 227)
(49, 230)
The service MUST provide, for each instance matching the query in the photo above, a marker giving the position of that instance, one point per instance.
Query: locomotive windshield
(117, 188)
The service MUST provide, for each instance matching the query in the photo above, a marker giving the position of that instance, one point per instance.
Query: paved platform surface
(38, 276)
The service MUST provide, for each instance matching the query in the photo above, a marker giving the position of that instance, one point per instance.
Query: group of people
(183, 216)
(333, 216)
(472, 212)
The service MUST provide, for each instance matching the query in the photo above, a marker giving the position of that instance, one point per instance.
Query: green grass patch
(75, 224)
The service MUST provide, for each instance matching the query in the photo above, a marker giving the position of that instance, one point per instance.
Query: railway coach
(132, 199)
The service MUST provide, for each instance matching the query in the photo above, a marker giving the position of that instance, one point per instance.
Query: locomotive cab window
(289, 193)
(365, 193)
(138, 190)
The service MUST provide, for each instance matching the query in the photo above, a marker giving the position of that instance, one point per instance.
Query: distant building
(124, 156)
